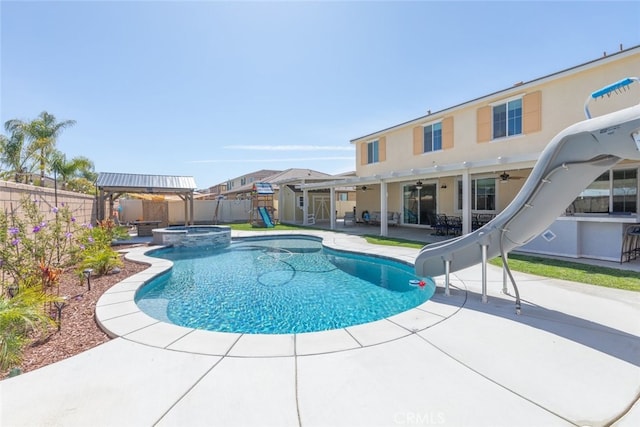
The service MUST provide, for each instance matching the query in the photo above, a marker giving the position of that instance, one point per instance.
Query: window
(243, 180)
(372, 152)
(507, 119)
(625, 185)
(432, 137)
(301, 202)
(483, 194)
(343, 197)
(613, 191)
(595, 198)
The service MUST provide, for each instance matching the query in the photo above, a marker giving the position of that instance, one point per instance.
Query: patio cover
(113, 185)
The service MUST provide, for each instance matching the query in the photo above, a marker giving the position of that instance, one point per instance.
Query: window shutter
(418, 140)
(484, 124)
(447, 133)
(364, 157)
(382, 148)
(532, 112)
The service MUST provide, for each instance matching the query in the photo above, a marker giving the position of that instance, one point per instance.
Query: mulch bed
(79, 331)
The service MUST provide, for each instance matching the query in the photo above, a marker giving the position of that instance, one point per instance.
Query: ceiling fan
(504, 177)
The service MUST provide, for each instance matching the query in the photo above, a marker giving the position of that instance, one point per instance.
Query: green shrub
(101, 259)
(20, 317)
(34, 251)
(94, 248)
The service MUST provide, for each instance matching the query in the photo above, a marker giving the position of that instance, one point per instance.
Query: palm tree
(14, 153)
(77, 167)
(43, 132)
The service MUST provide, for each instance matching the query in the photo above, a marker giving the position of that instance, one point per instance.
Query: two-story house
(470, 160)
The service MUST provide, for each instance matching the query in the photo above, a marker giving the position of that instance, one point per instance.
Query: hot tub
(193, 236)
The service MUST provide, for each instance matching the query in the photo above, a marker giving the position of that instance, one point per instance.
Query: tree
(77, 167)
(15, 153)
(43, 132)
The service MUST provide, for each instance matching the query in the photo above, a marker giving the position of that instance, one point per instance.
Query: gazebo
(112, 185)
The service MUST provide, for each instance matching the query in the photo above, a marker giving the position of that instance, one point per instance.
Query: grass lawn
(545, 267)
(574, 271)
(378, 240)
(245, 226)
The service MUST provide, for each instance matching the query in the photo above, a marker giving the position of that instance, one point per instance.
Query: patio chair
(349, 217)
(441, 225)
(455, 225)
(475, 222)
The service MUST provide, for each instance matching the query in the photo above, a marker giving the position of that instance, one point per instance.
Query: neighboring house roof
(289, 175)
(297, 175)
(347, 174)
(139, 183)
(264, 172)
(254, 176)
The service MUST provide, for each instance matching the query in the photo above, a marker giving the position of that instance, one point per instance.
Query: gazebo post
(186, 210)
(100, 206)
(192, 205)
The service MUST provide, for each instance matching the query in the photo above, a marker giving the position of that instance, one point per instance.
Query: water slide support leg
(507, 271)
(447, 270)
(484, 273)
(505, 276)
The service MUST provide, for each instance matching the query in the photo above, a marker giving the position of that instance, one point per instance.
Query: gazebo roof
(140, 183)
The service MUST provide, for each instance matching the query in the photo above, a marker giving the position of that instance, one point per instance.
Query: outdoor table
(145, 227)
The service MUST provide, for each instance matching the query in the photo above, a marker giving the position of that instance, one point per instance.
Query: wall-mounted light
(419, 185)
(443, 186)
(364, 188)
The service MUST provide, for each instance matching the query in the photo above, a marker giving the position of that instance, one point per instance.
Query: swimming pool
(278, 286)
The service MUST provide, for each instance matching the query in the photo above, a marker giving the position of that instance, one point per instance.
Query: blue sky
(218, 89)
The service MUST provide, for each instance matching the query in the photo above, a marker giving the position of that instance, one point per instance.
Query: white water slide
(571, 161)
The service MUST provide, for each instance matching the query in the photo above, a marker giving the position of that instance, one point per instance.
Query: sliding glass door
(419, 204)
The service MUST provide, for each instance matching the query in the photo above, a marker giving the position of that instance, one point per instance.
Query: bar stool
(630, 244)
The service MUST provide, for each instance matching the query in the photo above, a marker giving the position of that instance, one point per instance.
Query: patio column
(332, 207)
(466, 202)
(281, 189)
(305, 206)
(384, 227)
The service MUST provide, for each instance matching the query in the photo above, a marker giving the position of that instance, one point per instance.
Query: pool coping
(119, 316)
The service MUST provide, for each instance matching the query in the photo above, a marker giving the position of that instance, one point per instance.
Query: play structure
(570, 162)
(262, 205)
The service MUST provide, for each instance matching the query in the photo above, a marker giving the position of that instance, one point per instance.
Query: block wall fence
(82, 206)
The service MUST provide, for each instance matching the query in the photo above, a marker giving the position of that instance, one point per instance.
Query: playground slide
(571, 161)
(264, 214)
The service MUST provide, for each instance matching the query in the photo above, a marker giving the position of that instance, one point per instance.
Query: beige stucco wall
(563, 96)
(563, 99)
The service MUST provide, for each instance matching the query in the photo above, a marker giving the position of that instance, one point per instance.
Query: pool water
(278, 286)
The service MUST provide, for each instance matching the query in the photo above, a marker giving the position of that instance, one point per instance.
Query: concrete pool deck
(571, 358)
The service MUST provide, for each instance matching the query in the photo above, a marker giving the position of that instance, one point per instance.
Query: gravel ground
(79, 331)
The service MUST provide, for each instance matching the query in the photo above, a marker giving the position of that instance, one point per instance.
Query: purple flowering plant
(32, 242)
